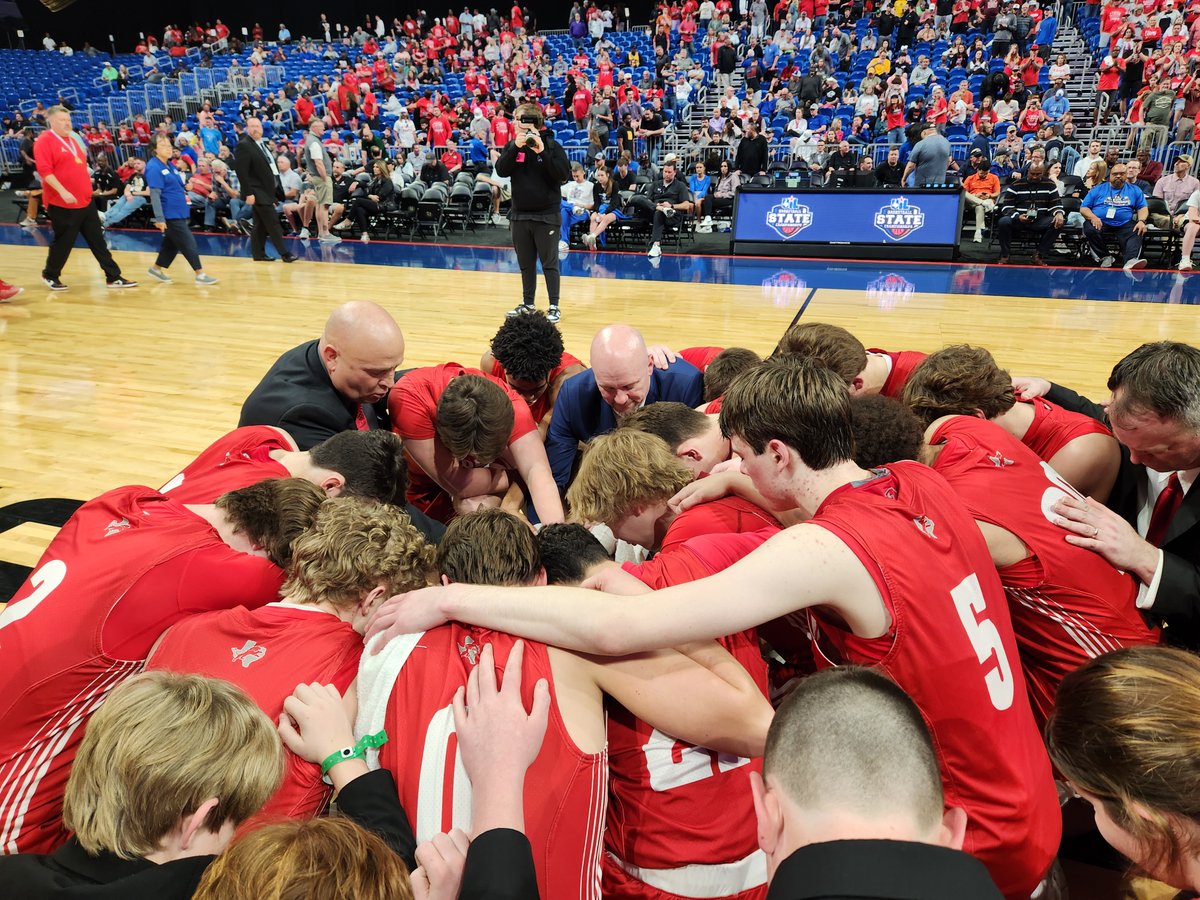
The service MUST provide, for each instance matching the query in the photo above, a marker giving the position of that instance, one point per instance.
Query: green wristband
(356, 752)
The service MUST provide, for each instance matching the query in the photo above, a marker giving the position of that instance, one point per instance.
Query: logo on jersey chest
(899, 219)
(469, 650)
(998, 460)
(248, 653)
(789, 217)
(926, 525)
(116, 526)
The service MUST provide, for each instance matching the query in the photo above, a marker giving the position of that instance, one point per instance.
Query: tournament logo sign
(789, 217)
(899, 219)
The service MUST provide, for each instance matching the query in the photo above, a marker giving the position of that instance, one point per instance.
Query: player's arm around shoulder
(1090, 464)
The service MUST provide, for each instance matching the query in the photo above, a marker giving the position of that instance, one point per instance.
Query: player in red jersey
(407, 687)
(1067, 604)
(527, 354)
(464, 432)
(966, 381)
(893, 573)
(864, 371)
(357, 554)
(124, 568)
(625, 481)
(348, 464)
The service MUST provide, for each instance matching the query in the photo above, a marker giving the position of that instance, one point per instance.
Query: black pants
(535, 239)
(1130, 241)
(1043, 225)
(69, 224)
(178, 240)
(360, 209)
(644, 208)
(266, 225)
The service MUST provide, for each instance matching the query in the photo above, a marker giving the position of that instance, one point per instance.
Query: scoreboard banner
(833, 222)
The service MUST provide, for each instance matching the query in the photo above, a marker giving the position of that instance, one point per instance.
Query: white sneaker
(654, 251)
(303, 234)
(1135, 263)
(28, 222)
(498, 219)
(1107, 262)
(707, 223)
(563, 246)
(366, 238)
(589, 241)
(1185, 265)
(329, 239)
(703, 229)
(342, 225)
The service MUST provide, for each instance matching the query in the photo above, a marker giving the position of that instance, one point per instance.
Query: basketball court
(101, 388)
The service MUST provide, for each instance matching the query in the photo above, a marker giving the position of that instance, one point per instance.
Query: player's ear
(445, 580)
(953, 830)
(856, 386)
(540, 579)
(767, 814)
(689, 453)
(377, 594)
(191, 823)
(333, 485)
(978, 413)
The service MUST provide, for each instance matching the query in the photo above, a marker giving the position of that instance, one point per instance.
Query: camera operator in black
(538, 167)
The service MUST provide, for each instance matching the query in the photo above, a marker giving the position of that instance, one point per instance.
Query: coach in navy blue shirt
(171, 213)
(622, 379)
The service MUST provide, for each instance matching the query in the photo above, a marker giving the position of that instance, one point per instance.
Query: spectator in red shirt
(440, 130)
(451, 158)
(304, 109)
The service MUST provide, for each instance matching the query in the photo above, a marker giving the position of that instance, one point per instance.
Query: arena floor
(100, 388)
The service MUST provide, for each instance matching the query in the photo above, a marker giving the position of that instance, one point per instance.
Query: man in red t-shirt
(464, 432)
(864, 371)
(124, 568)
(527, 353)
(61, 158)
(502, 131)
(357, 554)
(440, 130)
(347, 464)
(904, 580)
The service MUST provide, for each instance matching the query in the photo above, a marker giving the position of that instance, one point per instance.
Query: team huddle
(666, 547)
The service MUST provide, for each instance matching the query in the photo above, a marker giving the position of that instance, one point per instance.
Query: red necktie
(360, 420)
(1165, 507)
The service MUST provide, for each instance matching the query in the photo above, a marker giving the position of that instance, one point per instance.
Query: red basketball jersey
(1067, 604)
(267, 652)
(1054, 427)
(412, 405)
(540, 406)
(237, 460)
(700, 357)
(565, 789)
(951, 648)
(903, 363)
(662, 833)
(127, 566)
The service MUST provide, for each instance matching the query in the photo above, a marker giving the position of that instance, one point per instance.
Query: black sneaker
(54, 284)
(554, 314)
(122, 283)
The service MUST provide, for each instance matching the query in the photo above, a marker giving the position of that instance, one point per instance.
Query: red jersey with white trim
(903, 363)
(565, 790)
(237, 460)
(267, 652)
(541, 405)
(412, 406)
(700, 357)
(1067, 604)
(951, 648)
(127, 566)
(1054, 427)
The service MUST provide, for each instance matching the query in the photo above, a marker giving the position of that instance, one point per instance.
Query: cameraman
(538, 167)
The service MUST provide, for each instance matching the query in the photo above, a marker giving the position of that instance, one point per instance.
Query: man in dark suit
(339, 382)
(622, 379)
(259, 181)
(1151, 526)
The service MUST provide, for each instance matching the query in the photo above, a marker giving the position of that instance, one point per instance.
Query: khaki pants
(982, 205)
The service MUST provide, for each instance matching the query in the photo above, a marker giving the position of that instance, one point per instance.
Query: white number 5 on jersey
(985, 638)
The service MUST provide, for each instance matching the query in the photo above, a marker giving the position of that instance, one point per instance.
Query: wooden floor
(101, 388)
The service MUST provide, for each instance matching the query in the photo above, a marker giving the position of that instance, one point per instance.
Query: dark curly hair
(885, 431)
(528, 346)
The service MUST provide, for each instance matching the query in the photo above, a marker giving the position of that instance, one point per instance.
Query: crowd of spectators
(857, 94)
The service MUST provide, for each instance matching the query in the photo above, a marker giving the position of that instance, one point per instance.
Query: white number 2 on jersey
(44, 580)
(985, 638)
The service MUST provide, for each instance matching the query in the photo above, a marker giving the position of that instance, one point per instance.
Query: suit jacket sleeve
(1178, 599)
(561, 441)
(308, 423)
(499, 867)
(1068, 399)
(373, 802)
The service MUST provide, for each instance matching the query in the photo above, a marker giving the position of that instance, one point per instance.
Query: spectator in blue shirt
(477, 152)
(210, 134)
(1118, 209)
(171, 213)
(1047, 30)
(770, 57)
(1056, 106)
(1002, 166)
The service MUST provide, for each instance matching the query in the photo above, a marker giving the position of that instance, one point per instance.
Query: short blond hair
(318, 859)
(355, 545)
(159, 747)
(622, 470)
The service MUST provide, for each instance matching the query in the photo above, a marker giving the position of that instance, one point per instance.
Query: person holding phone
(538, 167)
